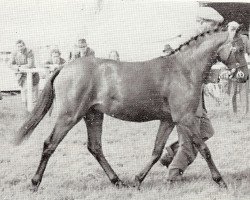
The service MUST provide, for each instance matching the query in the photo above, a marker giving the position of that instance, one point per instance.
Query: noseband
(226, 62)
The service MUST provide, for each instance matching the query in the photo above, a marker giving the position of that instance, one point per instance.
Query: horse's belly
(133, 111)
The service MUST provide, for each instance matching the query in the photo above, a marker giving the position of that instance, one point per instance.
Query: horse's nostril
(240, 74)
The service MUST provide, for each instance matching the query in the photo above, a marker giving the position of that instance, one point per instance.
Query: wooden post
(29, 82)
(247, 96)
(29, 91)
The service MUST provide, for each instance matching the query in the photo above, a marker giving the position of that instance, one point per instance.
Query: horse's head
(231, 53)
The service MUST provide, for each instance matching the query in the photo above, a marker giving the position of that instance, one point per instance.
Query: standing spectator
(246, 42)
(114, 55)
(23, 58)
(82, 50)
(55, 60)
(1, 97)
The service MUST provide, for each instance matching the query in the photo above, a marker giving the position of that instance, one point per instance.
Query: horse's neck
(199, 56)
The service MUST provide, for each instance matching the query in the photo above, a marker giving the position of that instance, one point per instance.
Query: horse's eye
(233, 49)
(241, 50)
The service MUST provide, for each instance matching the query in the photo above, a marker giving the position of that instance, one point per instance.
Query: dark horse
(166, 88)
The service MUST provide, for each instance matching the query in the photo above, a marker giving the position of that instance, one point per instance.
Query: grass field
(73, 173)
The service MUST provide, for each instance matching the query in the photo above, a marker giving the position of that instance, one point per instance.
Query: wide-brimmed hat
(167, 47)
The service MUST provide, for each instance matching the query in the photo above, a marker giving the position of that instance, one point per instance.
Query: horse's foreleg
(206, 154)
(63, 125)
(193, 129)
(164, 131)
(94, 121)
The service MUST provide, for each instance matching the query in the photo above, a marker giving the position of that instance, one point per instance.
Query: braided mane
(194, 38)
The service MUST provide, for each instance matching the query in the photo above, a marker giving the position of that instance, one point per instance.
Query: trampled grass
(73, 173)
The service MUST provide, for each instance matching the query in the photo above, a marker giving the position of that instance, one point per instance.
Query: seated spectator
(114, 55)
(82, 50)
(23, 58)
(55, 60)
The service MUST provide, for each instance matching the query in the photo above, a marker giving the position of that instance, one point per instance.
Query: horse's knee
(48, 152)
(48, 147)
(46, 144)
(157, 154)
(95, 149)
(202, 147)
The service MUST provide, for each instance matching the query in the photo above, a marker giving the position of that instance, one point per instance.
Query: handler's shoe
(167, 157)
(175, 175)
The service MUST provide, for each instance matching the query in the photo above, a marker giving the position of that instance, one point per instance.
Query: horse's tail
(44, 103)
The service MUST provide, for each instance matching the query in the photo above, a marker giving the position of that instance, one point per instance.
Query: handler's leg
(207, 132)
(185, 155)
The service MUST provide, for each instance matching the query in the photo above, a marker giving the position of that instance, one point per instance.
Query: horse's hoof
(120, 184)
(33, 188)
(35, 184)
(222, 184)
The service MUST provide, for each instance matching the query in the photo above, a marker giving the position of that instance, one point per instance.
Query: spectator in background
(23, 58)
(167, 50)
(81, 50)
(1, 97)
(246, 42)
(114, 55)
(55, 60)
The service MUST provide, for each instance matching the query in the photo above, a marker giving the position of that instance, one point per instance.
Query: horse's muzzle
(241, 77)
(240, 74)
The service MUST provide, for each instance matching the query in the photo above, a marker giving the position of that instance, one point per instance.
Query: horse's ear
(239, 28)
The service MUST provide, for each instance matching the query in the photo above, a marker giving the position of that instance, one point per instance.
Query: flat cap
(209, 14)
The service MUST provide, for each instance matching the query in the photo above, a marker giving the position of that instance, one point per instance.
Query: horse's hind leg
(94, 120)
(164, 131)
(64, 123)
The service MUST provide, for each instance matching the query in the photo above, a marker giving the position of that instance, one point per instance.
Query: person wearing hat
(180, 154)
(81, 50)
(167, 49)
(55, 60)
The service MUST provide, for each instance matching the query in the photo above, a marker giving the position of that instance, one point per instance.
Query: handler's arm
(30, 60)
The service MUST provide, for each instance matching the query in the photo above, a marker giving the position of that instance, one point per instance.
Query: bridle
(233, 49)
